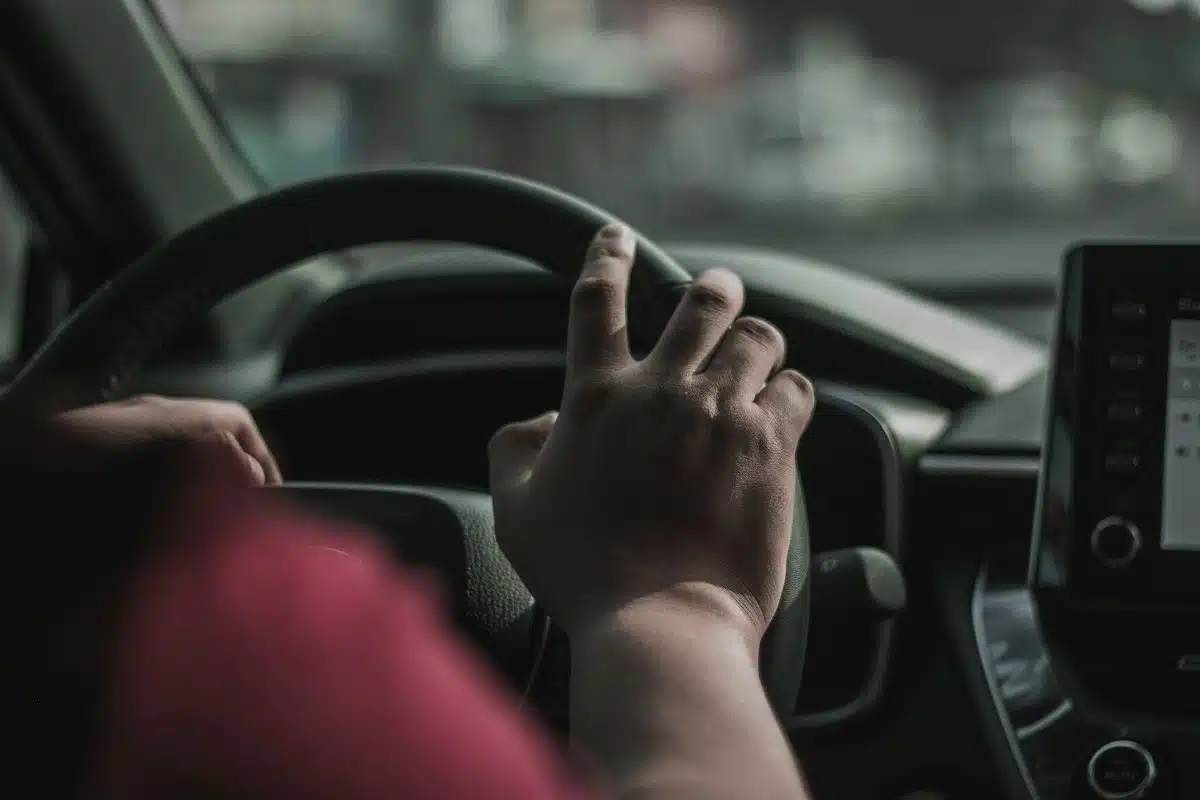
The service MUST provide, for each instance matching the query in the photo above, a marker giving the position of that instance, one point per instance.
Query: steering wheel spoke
(451, 533)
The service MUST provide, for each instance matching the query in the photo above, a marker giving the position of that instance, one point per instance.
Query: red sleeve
(267, 654)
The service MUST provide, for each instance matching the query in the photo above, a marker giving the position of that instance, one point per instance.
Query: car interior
(1001, 599)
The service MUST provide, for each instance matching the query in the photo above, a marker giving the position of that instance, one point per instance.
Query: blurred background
(927, 142)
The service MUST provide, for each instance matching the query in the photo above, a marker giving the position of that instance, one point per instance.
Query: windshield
(917, 141)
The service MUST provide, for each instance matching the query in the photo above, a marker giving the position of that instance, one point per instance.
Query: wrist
(693, 613)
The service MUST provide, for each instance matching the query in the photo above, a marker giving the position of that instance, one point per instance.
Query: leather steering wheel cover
(133, 316)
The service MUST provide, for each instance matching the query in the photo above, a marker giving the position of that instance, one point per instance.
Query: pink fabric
(269, 654)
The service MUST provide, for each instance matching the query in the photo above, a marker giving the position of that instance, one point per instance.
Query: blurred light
(1048, 136)
(314, 115)
(1141, 144)
(696, 43)
(560, 16)
(254, 28)
(1154, 6)
(472, 32)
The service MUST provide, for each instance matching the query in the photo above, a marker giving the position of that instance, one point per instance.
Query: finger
(251, 440)
(703, 316)
(789, 400)
(514, 450)
(257, 448)
(597, 338)
(751, 352)
(228, 450)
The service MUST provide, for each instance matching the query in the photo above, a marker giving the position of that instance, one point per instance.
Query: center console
(1115, 565)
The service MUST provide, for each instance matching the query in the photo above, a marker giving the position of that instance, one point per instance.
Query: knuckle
(796, 400)
(605, 249)
(761, 332)
(595, 291)
(227, 439)
(213, 429)
(802, 388)
(710, 297)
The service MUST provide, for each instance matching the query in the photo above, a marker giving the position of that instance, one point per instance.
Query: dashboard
(927, 444)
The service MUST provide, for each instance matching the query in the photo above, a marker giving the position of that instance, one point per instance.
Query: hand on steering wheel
(227, 429)
(714, 479)
(671, 479)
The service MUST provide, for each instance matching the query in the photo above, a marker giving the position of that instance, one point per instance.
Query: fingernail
(620, 239)
(725, 277)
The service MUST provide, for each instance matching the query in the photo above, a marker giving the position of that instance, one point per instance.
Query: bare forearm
(669, 704)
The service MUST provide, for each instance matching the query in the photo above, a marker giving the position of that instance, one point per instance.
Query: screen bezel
(1074, 494)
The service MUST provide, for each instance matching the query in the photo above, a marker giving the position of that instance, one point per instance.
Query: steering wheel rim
(92, 356)
(135, 314)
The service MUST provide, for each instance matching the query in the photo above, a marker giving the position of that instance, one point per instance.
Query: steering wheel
(92, 356)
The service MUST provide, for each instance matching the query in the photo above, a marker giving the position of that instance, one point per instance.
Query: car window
(923, 141)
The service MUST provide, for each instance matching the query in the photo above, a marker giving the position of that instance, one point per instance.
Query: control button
(1122, 770)
(1126, 362)
(1129, 312)
(1125, 412)
(1122, 462)
(1116, 542)
(1185, 384)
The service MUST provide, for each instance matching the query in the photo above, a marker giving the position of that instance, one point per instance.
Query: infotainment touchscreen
(1115, 563)
(1119, 515)
(1181, 458)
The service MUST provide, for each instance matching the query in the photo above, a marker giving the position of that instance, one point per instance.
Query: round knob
(1116, 542)
(1121, 770)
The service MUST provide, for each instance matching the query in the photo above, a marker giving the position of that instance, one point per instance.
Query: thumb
(514, 449)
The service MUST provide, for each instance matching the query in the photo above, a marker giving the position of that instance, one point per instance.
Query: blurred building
(549, 88)
(298, 81)
(558, 91)
(694, 114)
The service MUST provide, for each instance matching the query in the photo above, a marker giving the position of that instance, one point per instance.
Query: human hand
(226, 428)
(669, 479)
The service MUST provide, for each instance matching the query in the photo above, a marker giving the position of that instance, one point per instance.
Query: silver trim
(981, 645)
(1135, 536)
(977, 466)
(1135, 794)
(1046, 722)
(854, 404)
